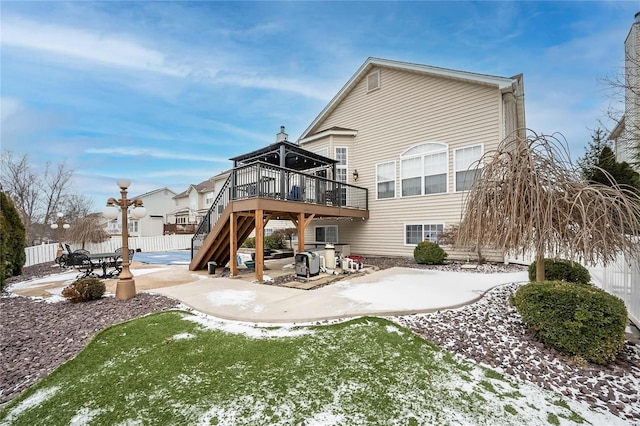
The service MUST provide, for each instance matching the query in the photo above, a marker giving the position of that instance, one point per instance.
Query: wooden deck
(240, 218)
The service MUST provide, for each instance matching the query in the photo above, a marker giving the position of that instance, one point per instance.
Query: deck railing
(263, 180)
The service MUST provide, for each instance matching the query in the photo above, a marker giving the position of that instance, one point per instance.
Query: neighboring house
(626, 133)
(157, 203)
(193, 203)
(412, 135)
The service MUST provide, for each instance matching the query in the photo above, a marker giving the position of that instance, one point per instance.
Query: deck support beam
(301, 222)
(233, 244)
(259, 229)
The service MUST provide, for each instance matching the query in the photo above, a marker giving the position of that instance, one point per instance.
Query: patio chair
(81, 263)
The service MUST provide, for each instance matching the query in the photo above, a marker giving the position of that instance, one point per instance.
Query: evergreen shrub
(249, 243)
(561, 270)
(575, 319)
(428, 253)
(84, 289)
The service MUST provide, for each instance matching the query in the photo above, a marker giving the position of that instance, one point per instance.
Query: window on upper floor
(386, 180)
(416, 233)
(133, 226)
(467, 166)
(423, 170)
(209, 198)
(326, 234)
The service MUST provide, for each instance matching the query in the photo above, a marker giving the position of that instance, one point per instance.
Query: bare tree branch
(531, 198)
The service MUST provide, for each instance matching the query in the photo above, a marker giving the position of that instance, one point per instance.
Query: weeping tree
(88, 229)
(532, 198)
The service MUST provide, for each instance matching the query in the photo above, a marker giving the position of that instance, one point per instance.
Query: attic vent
(373, 81)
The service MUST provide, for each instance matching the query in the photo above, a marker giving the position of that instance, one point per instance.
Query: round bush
(428, 253)
(574, 319)
(562, 270)
(84, 289)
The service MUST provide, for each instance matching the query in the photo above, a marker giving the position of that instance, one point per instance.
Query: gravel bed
(491, 332)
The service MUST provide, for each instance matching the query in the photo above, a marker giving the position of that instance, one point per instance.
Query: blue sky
(164, 93)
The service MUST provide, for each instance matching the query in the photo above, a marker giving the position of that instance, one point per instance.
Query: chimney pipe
(282, 136)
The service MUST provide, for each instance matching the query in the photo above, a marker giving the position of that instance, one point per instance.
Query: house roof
(617, 131)
(484, 79)
(295, 157)
(155, 191)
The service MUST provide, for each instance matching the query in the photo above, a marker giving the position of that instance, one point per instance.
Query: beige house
(412, 135)
(626, 133)
(157, 203)
(384, 166)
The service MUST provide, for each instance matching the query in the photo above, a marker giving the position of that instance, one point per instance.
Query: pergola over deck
(280, 181)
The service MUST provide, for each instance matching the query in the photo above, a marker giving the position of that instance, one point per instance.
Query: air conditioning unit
(307, 264)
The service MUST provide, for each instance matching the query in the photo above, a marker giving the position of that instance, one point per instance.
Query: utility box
(307, 264)
(330, 255)
(212, 267)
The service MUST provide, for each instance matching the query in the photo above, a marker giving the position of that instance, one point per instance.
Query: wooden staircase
(216, 246)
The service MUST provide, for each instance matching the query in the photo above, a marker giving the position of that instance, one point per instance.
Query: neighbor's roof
(500, 82)
(155, 191)
(204, 186)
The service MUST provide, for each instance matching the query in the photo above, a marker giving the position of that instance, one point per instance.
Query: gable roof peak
(501, 83)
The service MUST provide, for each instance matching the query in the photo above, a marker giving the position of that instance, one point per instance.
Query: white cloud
(9, 107)
(154, 153)
(113, 50)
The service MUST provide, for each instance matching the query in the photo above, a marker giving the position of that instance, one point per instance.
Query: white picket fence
(622, 279)
(47, 252)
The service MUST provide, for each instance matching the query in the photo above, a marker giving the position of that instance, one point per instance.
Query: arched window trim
(430, 183)
(437, 147)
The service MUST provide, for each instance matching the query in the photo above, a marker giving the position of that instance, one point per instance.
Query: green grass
(166, 369)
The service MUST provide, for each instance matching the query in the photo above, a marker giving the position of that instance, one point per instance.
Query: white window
(467, 166)
(386, 180)
(133, 226)
(415, 233)
(209, 198)
(373, 81)
(341, 173)
(326, 234)
(268, 231)
(423, 170)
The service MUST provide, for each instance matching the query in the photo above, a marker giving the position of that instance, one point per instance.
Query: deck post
(259, 228)
(301, 226)
(233, 244)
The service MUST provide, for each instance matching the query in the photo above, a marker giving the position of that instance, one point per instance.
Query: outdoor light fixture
(126, 286)
(355, 174)
(59, 224)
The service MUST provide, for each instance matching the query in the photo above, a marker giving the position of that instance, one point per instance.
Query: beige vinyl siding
(409, 109)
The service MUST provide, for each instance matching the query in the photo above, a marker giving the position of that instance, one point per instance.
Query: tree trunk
(540, 267)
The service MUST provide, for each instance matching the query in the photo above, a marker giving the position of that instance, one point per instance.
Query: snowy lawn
(179, 368)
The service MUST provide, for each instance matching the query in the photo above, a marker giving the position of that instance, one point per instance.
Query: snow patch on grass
(34, 400)
(183, 336)
(247, 329)
(84, 416)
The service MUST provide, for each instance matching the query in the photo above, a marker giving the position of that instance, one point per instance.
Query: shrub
(84, 289)
(561, 270)
(578, 320)
(249, 243)
(429, 253)
(12, 240)
(274, 241)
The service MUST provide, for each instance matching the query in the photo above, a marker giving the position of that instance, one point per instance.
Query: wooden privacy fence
(47, 252)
